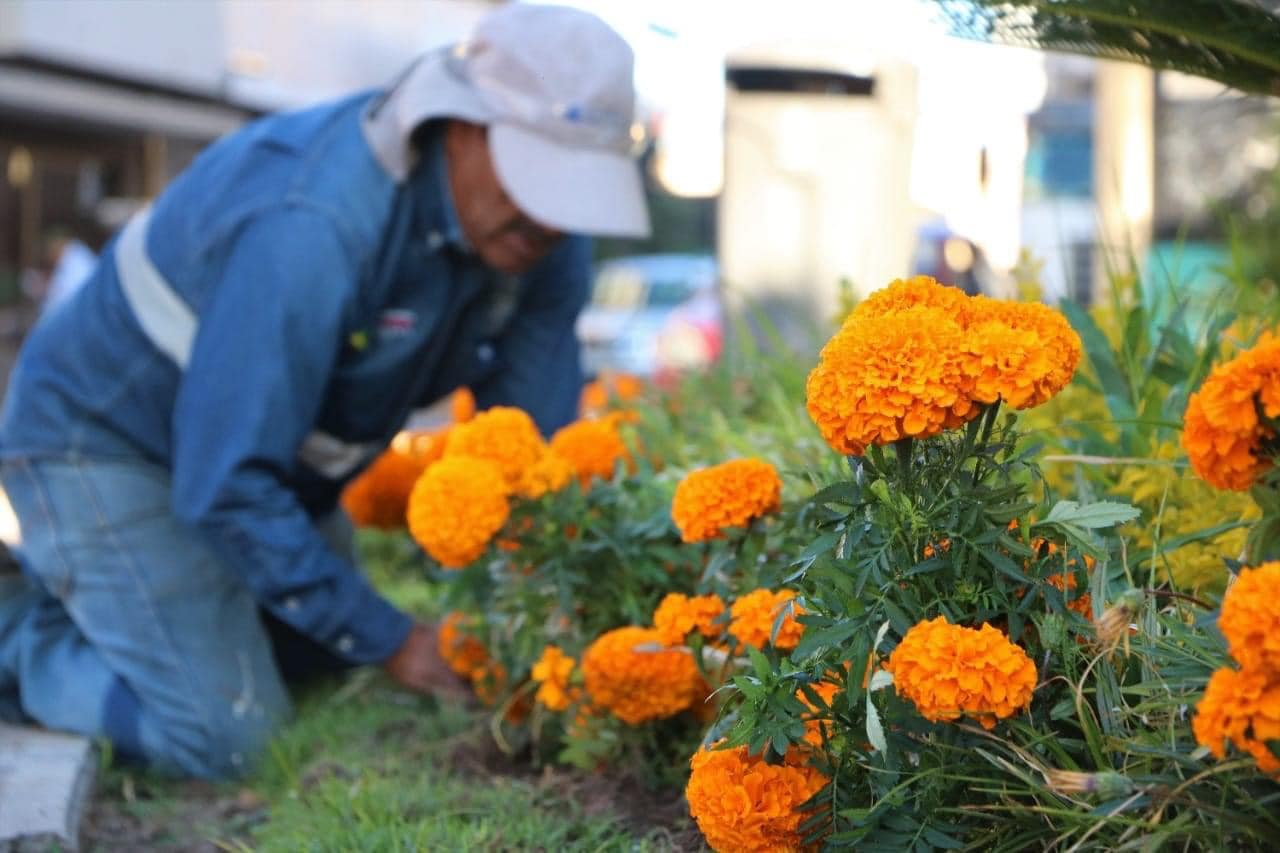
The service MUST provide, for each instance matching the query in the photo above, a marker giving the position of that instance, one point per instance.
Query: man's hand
(418, 666)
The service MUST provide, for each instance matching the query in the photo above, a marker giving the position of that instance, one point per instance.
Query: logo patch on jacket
(396, 323)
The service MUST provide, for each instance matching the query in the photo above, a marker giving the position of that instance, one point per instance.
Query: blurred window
(623, 289)
(1060, 163)
(1060, 150)
(619, 289)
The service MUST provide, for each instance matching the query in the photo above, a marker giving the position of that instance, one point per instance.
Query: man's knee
(225, 745)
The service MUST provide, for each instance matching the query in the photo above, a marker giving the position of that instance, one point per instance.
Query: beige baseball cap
(554, 86)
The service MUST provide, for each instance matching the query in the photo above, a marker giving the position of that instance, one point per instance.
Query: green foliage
(1235, 42)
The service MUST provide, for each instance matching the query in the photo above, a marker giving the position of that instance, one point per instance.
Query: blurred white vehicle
(652, 315)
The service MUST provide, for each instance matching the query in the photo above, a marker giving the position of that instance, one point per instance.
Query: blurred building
(816, 169)
(102, 102)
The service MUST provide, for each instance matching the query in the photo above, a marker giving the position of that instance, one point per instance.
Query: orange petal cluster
(640, 684)
(678, 614)
(1065, 582)
(464, 654)
(1026, 352)
(612, 387)
(505, 436)
(752, 617)
(462, 405)
(456, 507)
(1221, 432)
(919, 358)
(379, 496)
(745, 805)
(950, 670)
(1243, 708)
(552, 672)
(731, 494)
(820, 717)
(550, 473)
(593, 447)
(1250, 618)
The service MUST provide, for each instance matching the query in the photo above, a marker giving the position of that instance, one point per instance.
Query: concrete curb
(45, 782)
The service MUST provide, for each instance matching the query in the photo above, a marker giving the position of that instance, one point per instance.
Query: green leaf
(1005, 566)
(1091, 516)
(821, 545)
(832, 635)
(759, 663)
(882, 679)
(847, 493)
(1114, 387)
(941, 840)
(875, 731)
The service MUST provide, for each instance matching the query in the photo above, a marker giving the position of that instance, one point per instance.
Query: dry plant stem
(1085, 459)
(1168, 593)
(1097, 825)
(499, 714)
(1220, 767)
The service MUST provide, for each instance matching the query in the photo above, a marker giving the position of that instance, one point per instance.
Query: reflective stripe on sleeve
(167, 321)
(171, 325)
(331, 456)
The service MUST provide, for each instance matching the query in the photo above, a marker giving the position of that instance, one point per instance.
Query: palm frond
(1235, 42)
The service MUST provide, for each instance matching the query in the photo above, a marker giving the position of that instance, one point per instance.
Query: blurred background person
(70, 263)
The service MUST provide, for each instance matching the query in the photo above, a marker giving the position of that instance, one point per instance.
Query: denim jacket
(315, 301)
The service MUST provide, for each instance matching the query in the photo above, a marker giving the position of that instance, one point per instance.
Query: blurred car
(652, 315)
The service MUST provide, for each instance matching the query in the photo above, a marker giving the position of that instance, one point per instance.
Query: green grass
(366, 766)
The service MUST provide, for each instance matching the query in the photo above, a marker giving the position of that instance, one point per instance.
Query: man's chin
(507, 261)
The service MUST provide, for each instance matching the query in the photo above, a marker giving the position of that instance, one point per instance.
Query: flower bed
(880, 625)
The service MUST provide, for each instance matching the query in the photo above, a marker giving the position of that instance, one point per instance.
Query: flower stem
(988, 426)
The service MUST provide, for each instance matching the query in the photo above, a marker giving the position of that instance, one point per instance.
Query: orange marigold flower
(820, 718)
(1026, 352)
(489, 682)
(551, 473)
(917, 291)
(678, 614)
(640, 684)
(464, 654)
(610, 387)
(918, 358)
(1250, 618)
(753, 615)
(907, 373)
(456, 507)
(949, 670)
(625, 386)
(1243, 708)
(744, 805)
(1066, 584)
(462, 405)
(379, 496)
(593, 447)
(504, 435)
(594, 399)
(943, 547)
(552, 672)
(731, 494)
(1222, 433)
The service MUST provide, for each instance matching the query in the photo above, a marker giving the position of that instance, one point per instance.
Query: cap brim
(569, 188)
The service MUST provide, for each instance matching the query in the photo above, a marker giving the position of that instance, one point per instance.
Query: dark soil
(126, 816)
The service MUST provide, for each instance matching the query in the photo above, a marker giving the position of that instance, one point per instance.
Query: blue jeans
(128, 626)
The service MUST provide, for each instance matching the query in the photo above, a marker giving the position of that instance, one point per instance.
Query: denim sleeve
(539, 353)
(267, 343)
